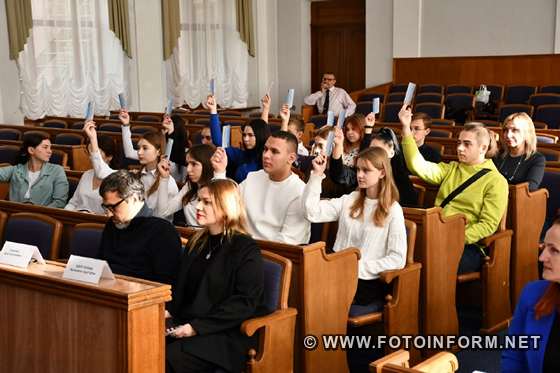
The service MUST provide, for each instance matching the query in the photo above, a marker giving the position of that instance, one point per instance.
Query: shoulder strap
(464, 186)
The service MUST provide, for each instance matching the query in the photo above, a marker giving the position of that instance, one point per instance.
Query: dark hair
(110, 149)
(30, 139)
(425, 118)
(298, 123)
(200, 153)
(288, 137)
(323, 132)
(125, 183)
(179, 137)
(262, 132)
(550, 300)
(388, 137)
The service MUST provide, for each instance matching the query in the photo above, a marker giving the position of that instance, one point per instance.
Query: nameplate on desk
(87, 269)
(19, 254)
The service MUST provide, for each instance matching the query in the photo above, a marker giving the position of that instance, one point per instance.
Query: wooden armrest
(400, 358)
(389, 276)
(486, 242)
(441, 362)
(249, 327)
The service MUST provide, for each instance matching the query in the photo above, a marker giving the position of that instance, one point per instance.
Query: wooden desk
(50, 324)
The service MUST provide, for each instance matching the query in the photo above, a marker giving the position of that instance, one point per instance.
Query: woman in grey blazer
(35, 180)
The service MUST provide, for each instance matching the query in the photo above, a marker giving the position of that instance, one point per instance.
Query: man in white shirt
(272, 196)
(331, 98)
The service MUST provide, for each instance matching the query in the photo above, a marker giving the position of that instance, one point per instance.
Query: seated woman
(220, 285)
(370, 219)
(86, 198)
(249, 157)
(150, 148)
(537, 314)
(483, 202)
(34, 180)
(199, 172)
(519, 160)
(353, 130)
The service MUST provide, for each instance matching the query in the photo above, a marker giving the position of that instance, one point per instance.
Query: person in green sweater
(483, 203)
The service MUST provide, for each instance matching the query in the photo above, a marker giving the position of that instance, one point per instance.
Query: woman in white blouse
(150, 150)
(86, 198)
(370, 219)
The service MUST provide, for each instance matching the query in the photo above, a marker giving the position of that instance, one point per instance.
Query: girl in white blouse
(199, 172)
(369, 219)
(86, 198)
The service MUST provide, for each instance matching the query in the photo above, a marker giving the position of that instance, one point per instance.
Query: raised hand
(405, 116)
(212, 105)
(265, 101)
(167, 125)
(124, 117)
(163, 167)
(338, 137)
(219, 160)
(370, 119)
(319, 164)
(89, 129)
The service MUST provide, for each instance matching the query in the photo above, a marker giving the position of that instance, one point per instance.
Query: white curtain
(71, 58)
(209, 47)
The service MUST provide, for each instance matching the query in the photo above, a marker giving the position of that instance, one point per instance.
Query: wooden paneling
(338, 43)
(526, 69)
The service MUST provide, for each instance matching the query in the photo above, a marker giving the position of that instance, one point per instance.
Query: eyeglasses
(207, 137)
(112, 207)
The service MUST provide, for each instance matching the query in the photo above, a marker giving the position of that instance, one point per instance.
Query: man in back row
(331, 98)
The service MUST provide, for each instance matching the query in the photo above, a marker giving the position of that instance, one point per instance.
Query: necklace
(212, 248)
(502, 171)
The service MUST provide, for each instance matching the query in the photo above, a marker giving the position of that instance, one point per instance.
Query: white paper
(19, 254)
(169, 108)
(212, 86)
(270, 88)
(341, 119)
(89, 111)
(375, 105)
(85, 269)
(168, 148)
(290, 98)
(330, 143)
(330, 118)
(409, 94)
(226, 135)
(122, 101)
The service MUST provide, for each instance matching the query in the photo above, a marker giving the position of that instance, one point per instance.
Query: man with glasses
(331, 98)
(135, 243)
(420, 127)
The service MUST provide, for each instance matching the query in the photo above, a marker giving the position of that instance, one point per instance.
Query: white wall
(482, 27)
(379, 42)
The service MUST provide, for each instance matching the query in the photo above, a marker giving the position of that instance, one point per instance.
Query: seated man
(420, 127)
(135, 243)
(272, 196)
(331, 98)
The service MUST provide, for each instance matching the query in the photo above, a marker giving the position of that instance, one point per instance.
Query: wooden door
(338, 43)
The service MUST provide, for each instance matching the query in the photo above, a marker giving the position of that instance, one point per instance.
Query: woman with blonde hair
(370, 219)
(519, 160)
(471, 186)
(220, 285)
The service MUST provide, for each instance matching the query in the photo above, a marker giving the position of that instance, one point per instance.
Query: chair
(114, 116)
(149, 118)
(370, 96)
(436, 146)
(399, 362)
(458, 88)
(204, 121)
(519, 94)
(440, 133)
(140, 130)
(494, 279)
(395, 97)
(545, 138)
(258, 114)
(550, 89)
(487, 122)
(540, 125)
(364, 107)
(544, 99)
(435, 98)
(277, 329)
(110, 127)
(68, 139)
(37, 132)
(10, 134)
(390, 112)
(398, 88)
(9, 154)
(430, 88)
(318, 120)
(550, 154)
(86, 239)
(54, 123)
(434, 110)
(59, 157)
(496, 92)
(73, 182)
(231, 113)
(505, 110)
(459, 107)
(442, 122)
(234, 121)
(35, 229)
(201, 112)
(400, 312)
(77, 125)
(549, 114)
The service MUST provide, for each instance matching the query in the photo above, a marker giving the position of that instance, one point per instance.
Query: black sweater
(149, 248)
(518, 170)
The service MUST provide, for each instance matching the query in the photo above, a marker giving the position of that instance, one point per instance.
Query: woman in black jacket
(220, 285)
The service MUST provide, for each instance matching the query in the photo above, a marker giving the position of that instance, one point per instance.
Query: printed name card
(87, 269)
(89, 111)
(19, 254)
(375, 105)
(169, 108)
(168, 148)
(122, 101)
(341, 119)
(226, 136)
(330, 118)
(290, 97)
(212, 86)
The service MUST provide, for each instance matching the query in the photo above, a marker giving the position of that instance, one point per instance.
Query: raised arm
(266, 107)
(316, 209)
(215, 125)
(285, 116)
(101, 169)
(168, 204)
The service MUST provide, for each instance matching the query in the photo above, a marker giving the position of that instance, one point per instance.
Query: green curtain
(118, 23)
(245, 24)
(171, 26)
(20, 21)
